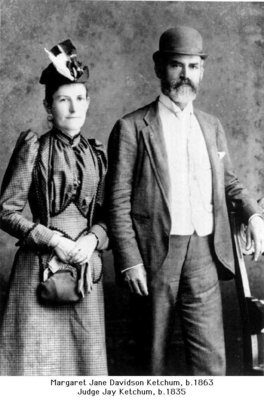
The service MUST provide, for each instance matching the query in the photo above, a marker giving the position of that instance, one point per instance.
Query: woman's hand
(64, 248)
(75, 253)
(87, 244)
(67, 250)
(83, 250)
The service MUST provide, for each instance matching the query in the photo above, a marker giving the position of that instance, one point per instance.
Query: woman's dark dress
(62, 179)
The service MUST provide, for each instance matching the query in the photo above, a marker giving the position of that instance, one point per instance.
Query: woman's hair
(51, 89)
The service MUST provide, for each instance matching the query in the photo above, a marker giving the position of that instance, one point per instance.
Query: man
(170, 185)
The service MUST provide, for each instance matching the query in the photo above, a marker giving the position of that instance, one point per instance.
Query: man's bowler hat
(180, 40)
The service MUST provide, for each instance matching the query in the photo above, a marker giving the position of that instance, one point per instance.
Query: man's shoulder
(202, 115)
(140, 112)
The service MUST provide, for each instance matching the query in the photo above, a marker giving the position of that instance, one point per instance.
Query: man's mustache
(182, 82)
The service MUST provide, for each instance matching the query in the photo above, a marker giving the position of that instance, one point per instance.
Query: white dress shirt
(190, 171)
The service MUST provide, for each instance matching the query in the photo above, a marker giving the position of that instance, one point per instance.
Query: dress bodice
(70, 222)
(73, 175)
(66, 171)
(52, 173)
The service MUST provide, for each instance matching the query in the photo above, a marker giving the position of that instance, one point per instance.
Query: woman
(61, 175)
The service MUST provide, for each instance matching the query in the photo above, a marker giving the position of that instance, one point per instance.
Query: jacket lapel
(155, 145)
(210, 139)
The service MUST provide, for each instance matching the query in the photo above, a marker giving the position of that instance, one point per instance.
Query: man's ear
(159, 68)
(202, 69)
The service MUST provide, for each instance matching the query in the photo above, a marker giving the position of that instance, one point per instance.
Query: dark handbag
(60, 287)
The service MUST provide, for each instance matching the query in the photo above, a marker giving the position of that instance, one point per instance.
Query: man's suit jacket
(138, 194)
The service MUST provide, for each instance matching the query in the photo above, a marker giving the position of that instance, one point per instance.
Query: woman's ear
(46, 106)
(88, 102)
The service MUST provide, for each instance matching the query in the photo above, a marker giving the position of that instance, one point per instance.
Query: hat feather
(60, 63)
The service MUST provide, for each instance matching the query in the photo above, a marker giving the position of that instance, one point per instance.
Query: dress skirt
(51, 340)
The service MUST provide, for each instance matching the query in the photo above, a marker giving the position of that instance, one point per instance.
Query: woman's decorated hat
(64, 67)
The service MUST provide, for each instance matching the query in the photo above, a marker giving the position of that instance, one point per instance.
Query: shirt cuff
(134, 266)
(255, 215)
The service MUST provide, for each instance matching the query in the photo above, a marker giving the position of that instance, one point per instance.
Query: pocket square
(221, 154)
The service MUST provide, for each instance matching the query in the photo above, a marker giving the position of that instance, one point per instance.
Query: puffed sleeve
(14, 193)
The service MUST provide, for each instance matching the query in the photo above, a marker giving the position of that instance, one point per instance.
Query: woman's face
(69, 107)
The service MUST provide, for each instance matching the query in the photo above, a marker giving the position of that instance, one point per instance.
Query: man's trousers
(187, 279)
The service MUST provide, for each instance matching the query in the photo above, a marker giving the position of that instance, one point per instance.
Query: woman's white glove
(86, 244)
(67, 250)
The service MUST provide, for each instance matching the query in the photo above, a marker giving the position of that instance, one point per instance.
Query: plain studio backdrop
(117, 39)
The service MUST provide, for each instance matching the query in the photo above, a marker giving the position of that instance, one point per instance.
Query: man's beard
(180, 91)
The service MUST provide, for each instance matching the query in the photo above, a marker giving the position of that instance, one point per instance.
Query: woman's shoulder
(23, 156)
(27, 136)
(96, 145)
(27, 141)
(31, 136)
(99, 149)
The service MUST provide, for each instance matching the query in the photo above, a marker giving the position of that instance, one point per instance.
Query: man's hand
(255, 232)
(136, 278)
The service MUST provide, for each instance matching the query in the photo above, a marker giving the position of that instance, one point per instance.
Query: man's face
(180, 77)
